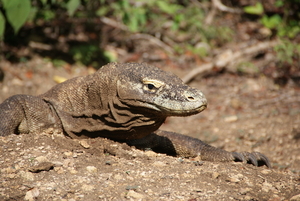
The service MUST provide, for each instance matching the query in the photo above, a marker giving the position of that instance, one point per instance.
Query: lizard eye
(150, 86)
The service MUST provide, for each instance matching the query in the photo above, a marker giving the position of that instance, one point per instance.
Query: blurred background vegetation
(179, 32)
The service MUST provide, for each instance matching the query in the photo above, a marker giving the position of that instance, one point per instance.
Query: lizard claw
(252, 158)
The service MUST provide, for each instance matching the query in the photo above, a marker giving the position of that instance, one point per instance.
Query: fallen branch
(148, 37)
(154, 40)
(227, 57)
(217, 4)
(287, 98)
(114, 23)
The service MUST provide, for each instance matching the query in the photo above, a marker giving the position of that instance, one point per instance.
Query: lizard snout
(195, 97)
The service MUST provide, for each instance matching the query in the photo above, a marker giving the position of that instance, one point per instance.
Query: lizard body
(124, 102)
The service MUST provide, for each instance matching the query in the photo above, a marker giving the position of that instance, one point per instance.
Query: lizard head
(150, 88)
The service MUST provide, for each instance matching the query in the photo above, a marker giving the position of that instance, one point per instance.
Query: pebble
(32, 194)
(267, 186)
(87, 187)
(91, 169)
(151, 154)
(232, 118)
(295, 198)
(133, 194)
(72, 171)
(41, 159)
(27, 175)
(11, 176)
(236, 178)
(84, 144)
(43, 166)
(59, 170)
(244, 191)
(68, 153)
(215, 175)
(118, 177)
(265, 171)
(159, 164)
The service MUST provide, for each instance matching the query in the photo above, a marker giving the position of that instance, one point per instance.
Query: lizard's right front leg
(26, 114)
(185, 146)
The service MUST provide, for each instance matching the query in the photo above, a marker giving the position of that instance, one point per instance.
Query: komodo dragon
(122, 102)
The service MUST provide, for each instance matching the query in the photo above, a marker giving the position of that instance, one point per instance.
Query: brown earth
(244, 114)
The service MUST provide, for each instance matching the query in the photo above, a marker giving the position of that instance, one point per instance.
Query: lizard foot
(253, 158)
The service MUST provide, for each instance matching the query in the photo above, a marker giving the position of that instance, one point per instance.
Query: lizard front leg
(26, 114)
(185, 146)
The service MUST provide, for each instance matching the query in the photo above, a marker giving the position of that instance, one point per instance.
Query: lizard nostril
(191, 98)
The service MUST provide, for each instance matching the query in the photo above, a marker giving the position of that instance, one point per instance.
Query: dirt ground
(244, 114)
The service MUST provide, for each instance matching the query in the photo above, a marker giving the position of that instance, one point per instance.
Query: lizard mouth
(177, 112)
(169, 109)
(183, 112)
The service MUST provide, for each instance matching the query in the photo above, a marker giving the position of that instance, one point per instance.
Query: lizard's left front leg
(185, 146)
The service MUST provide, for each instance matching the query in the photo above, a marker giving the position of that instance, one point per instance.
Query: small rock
(91, 169)
(267, 186)
(44, 166)
(9, 170)
(59, 170)
(11, 176)
(132, 187)
(295, 198)
(32, 194)
(107, 162)
(151, 154)
(68, 153)
(57, 163)
(118, 177)
(236, 178)
(232, 118)
(84, 144)
(244, 191)
(86, 187)
(133, 194)
(159, 164)
(215, 175)
(27, 175)
(72, 171)
(266, 171)
(67, 163)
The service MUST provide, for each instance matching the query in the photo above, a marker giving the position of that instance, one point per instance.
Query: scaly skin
(124, 102)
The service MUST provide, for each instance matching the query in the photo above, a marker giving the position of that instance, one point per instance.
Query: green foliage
(133, 17)
(281, 23)
(2, 25)
(84, 53)
(257, 9)
(286, 51)
(291, 29)
(200, 51)
(167, 7)
(138, 16)
(17, 12)
(72, 6)
(247, 68)
(90, 54)
(272, 21)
